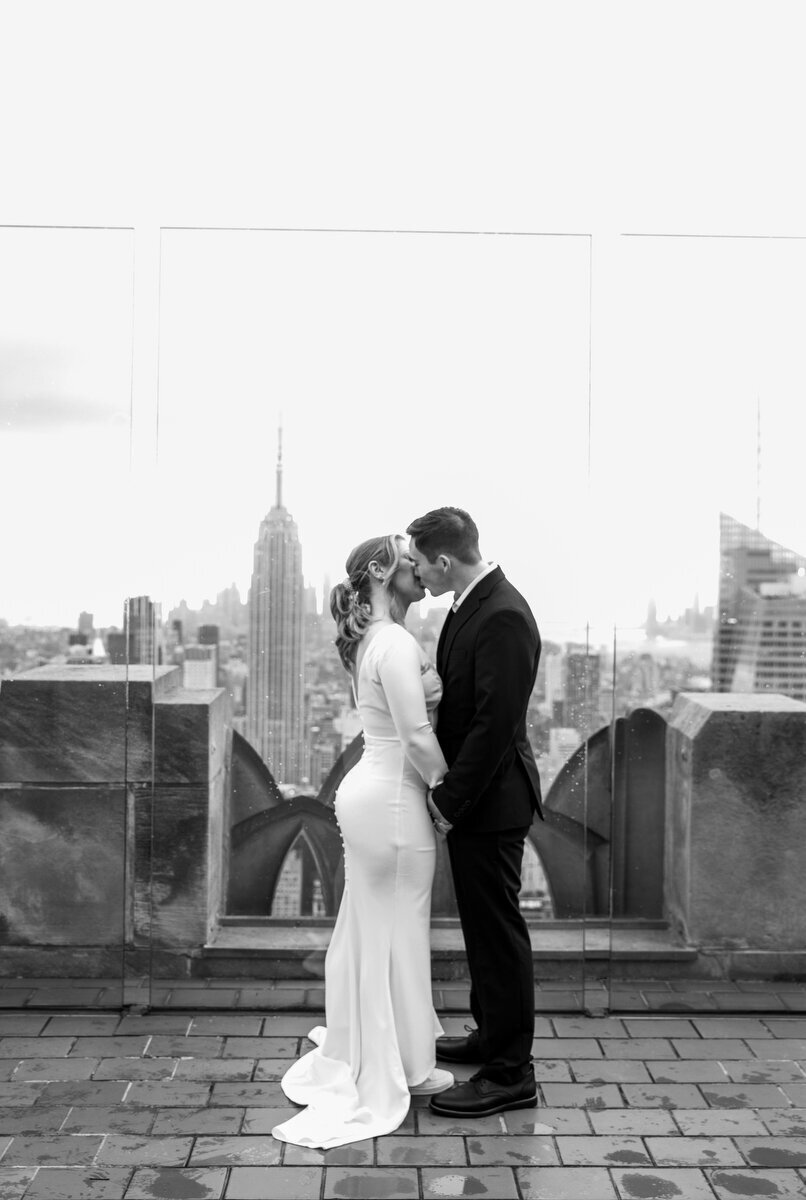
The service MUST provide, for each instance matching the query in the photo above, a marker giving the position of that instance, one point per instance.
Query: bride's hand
(442, 826)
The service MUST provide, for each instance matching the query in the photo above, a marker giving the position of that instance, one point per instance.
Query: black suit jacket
(487, 658)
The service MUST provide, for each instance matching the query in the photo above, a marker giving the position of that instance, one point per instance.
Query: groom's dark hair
(446, 531)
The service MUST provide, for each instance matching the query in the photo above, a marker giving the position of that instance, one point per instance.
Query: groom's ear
(444, 562)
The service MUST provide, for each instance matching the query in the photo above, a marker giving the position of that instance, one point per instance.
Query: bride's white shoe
(437, 1081)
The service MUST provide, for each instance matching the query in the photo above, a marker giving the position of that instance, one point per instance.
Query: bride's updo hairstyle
(350, 599)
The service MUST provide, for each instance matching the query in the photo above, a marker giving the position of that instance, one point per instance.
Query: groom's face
(432, 575)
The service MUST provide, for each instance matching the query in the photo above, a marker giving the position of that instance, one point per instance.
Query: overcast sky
(588, 394)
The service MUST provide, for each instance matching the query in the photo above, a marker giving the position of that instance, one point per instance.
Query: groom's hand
(442, 826)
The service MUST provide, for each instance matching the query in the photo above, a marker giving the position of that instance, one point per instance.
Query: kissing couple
(445, 755)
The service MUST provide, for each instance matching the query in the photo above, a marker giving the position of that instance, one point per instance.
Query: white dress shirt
(461, 599)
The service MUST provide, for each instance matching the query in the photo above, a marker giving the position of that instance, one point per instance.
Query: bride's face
(405, 582)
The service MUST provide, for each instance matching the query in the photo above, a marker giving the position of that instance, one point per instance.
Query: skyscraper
(275, 713)
(760, 642)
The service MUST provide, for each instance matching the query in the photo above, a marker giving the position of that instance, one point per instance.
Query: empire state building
(275, 704)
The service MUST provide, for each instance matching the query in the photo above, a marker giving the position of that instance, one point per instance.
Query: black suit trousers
(487, 875)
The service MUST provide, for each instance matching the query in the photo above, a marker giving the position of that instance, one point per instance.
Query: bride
(377, 1048)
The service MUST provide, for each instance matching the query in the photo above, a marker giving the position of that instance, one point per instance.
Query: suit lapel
(455, 621)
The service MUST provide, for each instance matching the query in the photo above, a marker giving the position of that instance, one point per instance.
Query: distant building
(760, 642)
(200, 667)
(140, 619)
(275, 705)
(85, 624)
(582, 684)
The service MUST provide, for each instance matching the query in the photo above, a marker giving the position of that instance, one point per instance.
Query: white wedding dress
(380, 1021)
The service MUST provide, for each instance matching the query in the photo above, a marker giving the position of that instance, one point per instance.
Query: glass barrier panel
(317, 389)
(709, 674)
(66, 853)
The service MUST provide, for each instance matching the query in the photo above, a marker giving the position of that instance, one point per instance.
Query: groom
(487, 657)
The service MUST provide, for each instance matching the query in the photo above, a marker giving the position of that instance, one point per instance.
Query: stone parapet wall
(735, 869)
(113, 790)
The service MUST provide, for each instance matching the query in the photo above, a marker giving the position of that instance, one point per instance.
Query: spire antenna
(280, 465)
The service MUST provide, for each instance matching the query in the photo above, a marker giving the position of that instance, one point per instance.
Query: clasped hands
(442, 826)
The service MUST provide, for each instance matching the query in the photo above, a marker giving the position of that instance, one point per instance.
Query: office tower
(582, 684)
(140, 624)
(275, 721)
(200, 666)
(208, 635)
(85, 624)
(760, 642)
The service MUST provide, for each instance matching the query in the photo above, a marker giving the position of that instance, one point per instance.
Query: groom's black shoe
(460, 1049)
(479, 1097)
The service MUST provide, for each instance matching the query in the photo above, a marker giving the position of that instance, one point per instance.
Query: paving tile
(64, 997)
(77, 1025)
(154, 1022)
(272, 1070)
(780, 1048)
(420, 1151)
(81, 1091)
(775, 1152)
(627, 1000)
(748, 1002)
(758, 1070)
(197, 1121)
(783, 1027)
(629, 1048)
(565, 1048)
(794, 1092)
(121, 1149)
(679, 1003)
(585, 1027)
(605, 1150)
(356, 1154)
(639, 1122)
(233, 1094)
(659, 1095)
(35, 1047)
(274, 1183)
(13, 1094)
(659, 1027)
(59, 1150)
(470, 1181)
(7, 1068)
(362, 1183)
(109, 1119)
(22, 1024)
(135, 1068)
(37, 1119)
(782, 1185)
(663, 1183)
(53, 1183)
(429, 1122)
(30, 1069)
(216, 1068)
(718, 1122)
(693, 1151)
(731, 1027)
(192, 998)
(542, 1121)
(713, 1048)
(746, 1095)
(565, 1183)
(280, 1024)
(167, 1093)
(228, 1024)
(174, 1045)
(783, 1122)
(581, 1095)
(14, 1181)
(110, 1047)
(557, 1002)
(236, 1151)
(512, 1150)
(694, 1070)
(600, 1071)
(169, 1183)
(262, 998)
(262, 1047)
(550, 1070)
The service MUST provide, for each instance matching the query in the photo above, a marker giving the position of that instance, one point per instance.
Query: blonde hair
(350, 599)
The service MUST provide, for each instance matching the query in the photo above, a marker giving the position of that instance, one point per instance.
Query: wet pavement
(641, 1104)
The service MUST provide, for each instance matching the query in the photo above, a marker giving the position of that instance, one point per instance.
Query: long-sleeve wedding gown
(380, 1022)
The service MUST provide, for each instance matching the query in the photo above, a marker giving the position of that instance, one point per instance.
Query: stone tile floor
(708, 1101)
